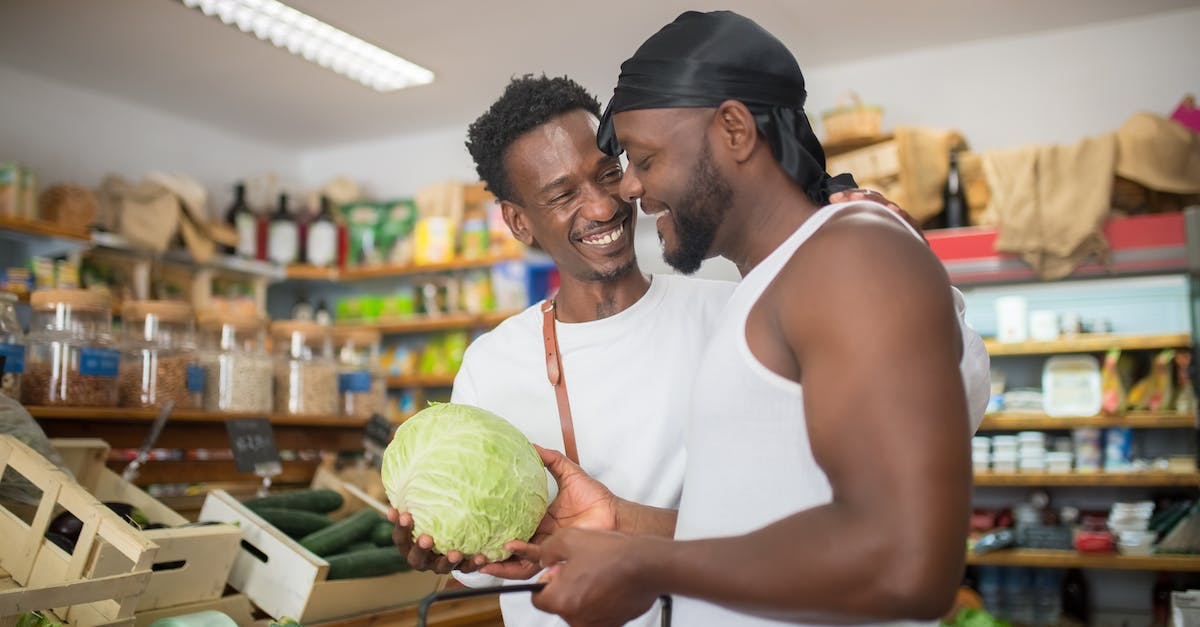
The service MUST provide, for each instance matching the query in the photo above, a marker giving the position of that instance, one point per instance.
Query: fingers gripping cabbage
(471, 480)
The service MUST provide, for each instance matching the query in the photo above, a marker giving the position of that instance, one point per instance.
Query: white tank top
(749, 460)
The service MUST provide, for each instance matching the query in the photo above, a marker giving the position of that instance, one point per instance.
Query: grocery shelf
(1019, 421)
(437, 323)
(228, 263)
(126, 414)
(1049, 558)
(42, 228)
(421, 381)
(1125, 479)
(1090, 343)
(311, 273)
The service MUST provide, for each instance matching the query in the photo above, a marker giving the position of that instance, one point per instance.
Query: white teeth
(607, 238)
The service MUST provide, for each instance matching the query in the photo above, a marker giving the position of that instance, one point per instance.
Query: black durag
(704, 59)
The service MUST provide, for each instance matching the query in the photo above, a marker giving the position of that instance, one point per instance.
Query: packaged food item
(510, 285)
(306, 376)
(474, 236)
(394, 231)
(43, 272)
(160, 363)
(29, 207)
(10, 189)
(12, 347)
(239, 374)
(1112, 389)
(1185, 399)
(477, 292)
(71, 357)
(360, 382)
(361, 218)
(1088, 452)
(1071, 386)
(434, 240)
(1117, 442)
(401, 304)
(1162, 384)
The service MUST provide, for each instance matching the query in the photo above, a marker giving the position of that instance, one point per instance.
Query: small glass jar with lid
(12, 346)
(361, 386)
(158, 360)
(239, 374)
(70, 355)
(306, 376)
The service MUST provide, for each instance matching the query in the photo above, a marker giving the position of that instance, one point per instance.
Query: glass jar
(361, 387)
(306, 376)
(238, 373)
(12, 347)
(158, 359)
(70, 355)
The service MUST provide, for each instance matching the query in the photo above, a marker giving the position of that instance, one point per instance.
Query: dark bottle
(283, 235)
(321, 245)
(1161, 595)
(954, 197)
(244, 222)
(303, 309)
(1076, 601)
(323, 315)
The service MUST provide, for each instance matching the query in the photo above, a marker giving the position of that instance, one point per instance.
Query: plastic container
(1087, 449)
(1058, 462)
(1004, 462)
(1031, 440)
(1071, 386)
(239, 374)
(12, 347)
(1032, 464)
(1136, 542)
(362, 390)
(159, 361)
(1012, 321)
(306, 375)
(70, 355)
(980, 462)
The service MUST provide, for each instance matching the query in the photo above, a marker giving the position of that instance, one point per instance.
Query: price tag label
(253, 444)
(378, 434)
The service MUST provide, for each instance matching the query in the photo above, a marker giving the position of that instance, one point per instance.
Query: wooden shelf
(1017, 421)
(125, 414)
(421, 381)
(311, 273)
(1047, 558)
(476, 612)
(1089, 343)
(42, 228)
(1127, 479)
(438, 323)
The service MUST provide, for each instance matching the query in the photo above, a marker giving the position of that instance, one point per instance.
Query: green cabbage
(471, 480)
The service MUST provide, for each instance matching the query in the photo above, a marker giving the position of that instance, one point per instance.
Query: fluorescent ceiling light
(304, 35)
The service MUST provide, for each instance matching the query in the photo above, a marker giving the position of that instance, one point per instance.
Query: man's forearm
(636, 519)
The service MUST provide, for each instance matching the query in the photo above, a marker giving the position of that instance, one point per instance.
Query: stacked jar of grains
(306, 376)
(158, 361)
(70, 357)
(238, 370)
(12, 346)
(361, 387)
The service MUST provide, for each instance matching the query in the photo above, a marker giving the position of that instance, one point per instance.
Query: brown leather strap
(554, 372)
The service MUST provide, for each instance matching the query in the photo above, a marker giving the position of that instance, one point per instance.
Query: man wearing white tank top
(828, 473)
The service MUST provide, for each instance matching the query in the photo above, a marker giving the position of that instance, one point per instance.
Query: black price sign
(253, 443)
(378, 434)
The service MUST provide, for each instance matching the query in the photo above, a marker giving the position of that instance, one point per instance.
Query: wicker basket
(68, 205)
(851, 120)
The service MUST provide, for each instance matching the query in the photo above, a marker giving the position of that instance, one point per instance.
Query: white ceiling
(160, 54)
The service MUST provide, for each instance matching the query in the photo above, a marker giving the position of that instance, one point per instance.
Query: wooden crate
(97, 584)
(206, 553)
(285, 579)
(235, 606)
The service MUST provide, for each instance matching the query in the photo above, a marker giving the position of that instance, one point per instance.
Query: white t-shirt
(628, 377)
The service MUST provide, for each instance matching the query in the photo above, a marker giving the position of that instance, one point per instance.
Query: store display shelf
(41, 228)
(311, 273)
(1110, 479)
(125, 414)
(1018, 421)
(421, 381)
(227, 263)
(443, 322)
(476, 612)
(1090, 343)
(1048, 558)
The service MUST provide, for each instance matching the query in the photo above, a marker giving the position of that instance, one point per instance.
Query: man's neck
(765, 214)
(586, 301)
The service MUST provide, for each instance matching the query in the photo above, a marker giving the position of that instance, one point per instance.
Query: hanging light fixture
(306, 36)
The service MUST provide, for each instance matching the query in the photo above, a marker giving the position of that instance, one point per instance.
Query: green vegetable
(320, 501)
(971, 617)
(471, 480)
(342, 533)
(358, 546)
(372, 562)
(382, 534)
(295, 523)
(36, 619)
(285, 621)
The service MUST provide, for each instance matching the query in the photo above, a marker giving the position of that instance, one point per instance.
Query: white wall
(1056, 86)
(65, 133)
(394, 166)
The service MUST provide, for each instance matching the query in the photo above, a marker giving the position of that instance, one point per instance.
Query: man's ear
(736, 129)
(514, 217)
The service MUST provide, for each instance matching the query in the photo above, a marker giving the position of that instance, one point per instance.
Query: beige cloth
(1050, 202)
(1159, 153)
(924, 156)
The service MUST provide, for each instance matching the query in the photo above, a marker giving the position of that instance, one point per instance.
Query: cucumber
(293, 522)
(342, 533)
(368, 563)
(320, 501)
(358, 546)
(381, 535)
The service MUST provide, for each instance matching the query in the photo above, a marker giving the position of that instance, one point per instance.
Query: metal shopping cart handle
(452, 595)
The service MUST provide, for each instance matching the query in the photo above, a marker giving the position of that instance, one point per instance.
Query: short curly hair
(527, 102)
